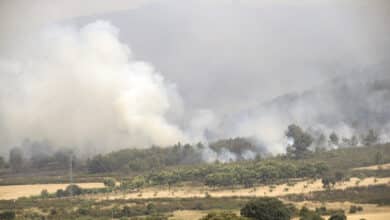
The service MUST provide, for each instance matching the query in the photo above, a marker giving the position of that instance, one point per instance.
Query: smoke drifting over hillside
(82, 84)
(348, 106)
(83, 88)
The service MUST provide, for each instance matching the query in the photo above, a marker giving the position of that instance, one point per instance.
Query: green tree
(338, 216)
(3, 164)
(60, 193)
(354, 141)
(334, 139)
(339, 176)
(302, 141)
(98, 164)
(328, 181)
(45, 194)
(16, 159)
(109, 182)
(371, 138)
(73, 189)
(266, 208)
(306, 214)
(7, 215)
(378, 158)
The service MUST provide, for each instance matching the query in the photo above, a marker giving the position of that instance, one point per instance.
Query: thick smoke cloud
(222, 65)
(84, 88)
(348, 106)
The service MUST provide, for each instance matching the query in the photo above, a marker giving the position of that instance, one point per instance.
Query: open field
(17, 191)
(370, 211)
(375, 167)
(303, 187)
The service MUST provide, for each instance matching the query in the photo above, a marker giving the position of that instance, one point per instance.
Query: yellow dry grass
(17, 191)
(187, 215)
(370, 211)
(376, 167)
(276, 190)
(369, 216)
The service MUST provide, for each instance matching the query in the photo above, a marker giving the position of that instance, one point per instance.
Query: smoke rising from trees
(85, 86)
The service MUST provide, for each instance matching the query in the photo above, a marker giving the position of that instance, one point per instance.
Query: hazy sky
(226, 54)
(210, 58)
(219, 52)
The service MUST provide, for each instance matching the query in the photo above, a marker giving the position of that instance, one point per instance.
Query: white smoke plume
(224, 156)
(84, 88)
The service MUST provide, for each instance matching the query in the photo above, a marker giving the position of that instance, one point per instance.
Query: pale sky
(199, 44)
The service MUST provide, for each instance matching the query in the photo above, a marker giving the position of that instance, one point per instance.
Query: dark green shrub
(109, 182)
(354, 209)
(222, 216)
(266, 209)
(338, 216)
(306, 214)
(7, 215)
(44, 194)
(61, 193)
(73, 190)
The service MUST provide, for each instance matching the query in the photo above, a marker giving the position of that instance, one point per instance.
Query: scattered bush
(45, 194)
(266, 208)
(306, 214)
(109, 182)
(7, 215)
(338, 216)
(354, 209)
(222, 216)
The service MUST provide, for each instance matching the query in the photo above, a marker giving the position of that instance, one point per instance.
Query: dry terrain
(17, 191)
(370, 212)
(308, 186)
(375, 167)
(275, 190)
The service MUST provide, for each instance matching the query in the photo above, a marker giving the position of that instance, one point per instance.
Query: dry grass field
(275, 190)
(376, 167)
(370, 212)
(308, 186)
(17, 191)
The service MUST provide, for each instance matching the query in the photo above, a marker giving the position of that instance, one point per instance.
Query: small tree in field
(222, 216)
(378, 158)
(338, 216)
(73, 190)
(306, 214)
(266, 209)
(44, 194)
(109, 183)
